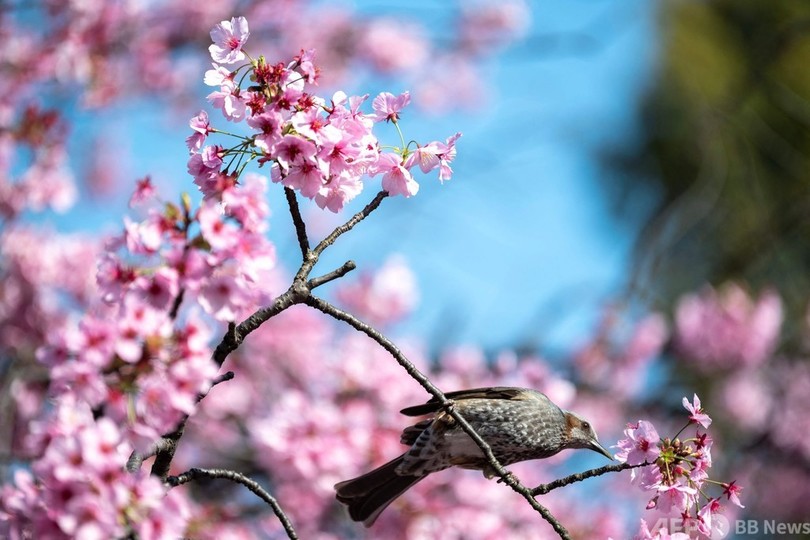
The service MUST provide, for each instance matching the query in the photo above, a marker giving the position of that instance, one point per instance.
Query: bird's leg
(508, 478)
(449, 406)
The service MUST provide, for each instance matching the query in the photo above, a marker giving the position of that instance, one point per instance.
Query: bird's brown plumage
(517, 423)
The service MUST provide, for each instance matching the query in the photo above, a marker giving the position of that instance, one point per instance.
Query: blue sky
(520, 244)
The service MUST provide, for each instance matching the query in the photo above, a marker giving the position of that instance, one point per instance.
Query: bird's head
(580, 434)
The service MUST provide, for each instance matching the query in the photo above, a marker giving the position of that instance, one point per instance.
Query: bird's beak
(598, 448)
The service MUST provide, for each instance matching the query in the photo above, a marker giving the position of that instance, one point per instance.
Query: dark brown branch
(505, 476)
(227, 376)
(135, 461)
(239, 478)
(542, 489)
(176, 305)
(165, 450)
(298, 221)
(347, 267)
(346, 227)
(237, 333)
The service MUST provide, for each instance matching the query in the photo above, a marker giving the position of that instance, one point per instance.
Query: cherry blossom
(640, 445)
(228, 38)
(387, 106)
(396, 179)
(697, 415)
(727, 328)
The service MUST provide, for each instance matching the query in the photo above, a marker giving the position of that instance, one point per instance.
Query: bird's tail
(368, 495)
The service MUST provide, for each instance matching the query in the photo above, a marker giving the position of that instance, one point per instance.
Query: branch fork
(300, 292)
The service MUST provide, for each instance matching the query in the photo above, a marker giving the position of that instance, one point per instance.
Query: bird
(519, 424)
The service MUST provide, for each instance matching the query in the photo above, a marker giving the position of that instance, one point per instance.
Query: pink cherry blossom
(306, 64)
(270, 124)
(223, 297)
(792, 401)
(246, 203)
(640, 445)
(230, 100)
(113, 277)
(696, 412)
(161, 289)
(392, 44)
(293, 150)
(396, 180)
(674, 499)
(384, 297)
(311, 123)
(217, 76)
(215, 228)
(228, 38)
(732, 491)
(338, 191)
(212, 156)
(387, 106)
(435, 155)
(201, 127)
(727, 328)
(144, 191)
(144, 237)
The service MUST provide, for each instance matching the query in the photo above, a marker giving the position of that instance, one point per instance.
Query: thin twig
(178, 300)
(239, 478)
(507, 477)
(347, 267)
(298, 221)
(542, 489)
(346, 227)
(227, 376)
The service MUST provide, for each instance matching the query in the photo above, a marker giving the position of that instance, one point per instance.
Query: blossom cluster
(726, 328)
(619, 354)
(318, 147)
(79, 487)
(133, 355)
(382, 297)
(677, 474)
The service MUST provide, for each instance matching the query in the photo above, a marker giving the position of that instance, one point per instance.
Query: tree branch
(346, 227)
(347, 267)
(507, 477)
(300, 226)
(239, 478)
(165, 450)
(542, 489)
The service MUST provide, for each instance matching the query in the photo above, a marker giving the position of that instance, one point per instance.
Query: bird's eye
(586, 426)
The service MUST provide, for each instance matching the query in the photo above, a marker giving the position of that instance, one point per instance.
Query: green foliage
(726, 141)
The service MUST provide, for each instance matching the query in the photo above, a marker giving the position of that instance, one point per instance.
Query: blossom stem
(681, 430)
(401, 137)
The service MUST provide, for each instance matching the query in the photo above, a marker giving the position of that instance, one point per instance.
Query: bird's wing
(493, 392)
(411, 433)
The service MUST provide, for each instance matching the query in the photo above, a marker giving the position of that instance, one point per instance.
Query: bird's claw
(507, 478)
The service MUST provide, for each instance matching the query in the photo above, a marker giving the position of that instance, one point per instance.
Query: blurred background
(626, 225)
